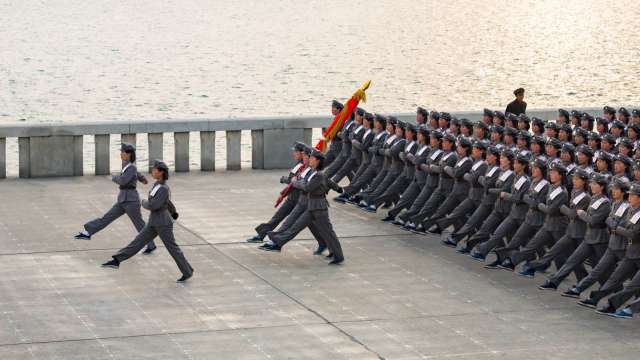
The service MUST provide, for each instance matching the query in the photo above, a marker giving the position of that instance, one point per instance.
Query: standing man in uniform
(336, 143)
(517, 106)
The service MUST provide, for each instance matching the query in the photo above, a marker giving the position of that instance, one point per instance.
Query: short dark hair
(518, 91)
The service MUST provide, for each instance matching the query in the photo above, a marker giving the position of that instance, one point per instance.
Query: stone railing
(57, 149)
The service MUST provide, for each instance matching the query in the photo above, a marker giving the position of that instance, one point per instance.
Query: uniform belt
(316, 196)
(127, 187)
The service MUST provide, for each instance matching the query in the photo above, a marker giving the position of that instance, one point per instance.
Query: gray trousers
(517, 231)
(436, 199)
(298, 220)
(583, 252)
(407, 198)
(348, 169)
(380, 176)
(417, 205)
(361, 181)
(393, 192)
(283, 211)
(473, 222)
(336, 164)
(602, 270)
(334, 150)
(627, 268)
(635, 306)
(382, 186)
(487, 228)
(559, 253)
(459, 215)
(147, 235)
(449, 205)
(320, 220)
(542, 238)
(131, 208)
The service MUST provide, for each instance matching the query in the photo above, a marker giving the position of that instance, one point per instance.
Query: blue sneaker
(528, 273)
(477, 256)
(449, 242)
(623, 314)
(463, 250)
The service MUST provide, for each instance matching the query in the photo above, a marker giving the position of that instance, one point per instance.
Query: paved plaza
(397, 296)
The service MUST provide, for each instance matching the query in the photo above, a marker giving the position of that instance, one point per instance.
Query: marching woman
(128, 199)
(163, 213)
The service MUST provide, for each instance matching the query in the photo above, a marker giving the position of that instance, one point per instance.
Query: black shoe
(608, 310)
(255, 239)
(329, 256)
(340, 199)
(449, 242)
(493, 265)
(113, 263)
(435, 229)
(528, 272)
(388, 219)
(548, 285)
(149, 250)
(82, 236)
(184, 278)
(590, 303)
(370, 208)
(270, 247)
(418, 230)
(507, 265)
(398, 223)
(572, 293)
(336, 261)
(319, 250)
(353, 200)
(463, 250)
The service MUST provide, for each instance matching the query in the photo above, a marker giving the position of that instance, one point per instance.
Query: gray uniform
(362, 145)
(286, 207)
(376, 160)
(488, 181)
(345, 151)
(430, 184)
(160, 224)
(574, 236)
(386, 165)
(128, 202)
(445, 185)
(615, 252)
(395, 170)
(595, 241)
(554, 227)
(355, 155)
(417, 182)
(403, 180)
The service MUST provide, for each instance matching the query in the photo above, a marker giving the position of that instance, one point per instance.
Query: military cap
(410, 127)
(537, 121)
(585, 150)
(497, 128)
(554, 142)
(523, 117)
(512, 117)
(568, 147)
(466, 123)
(581, 173)
(464, 142)
(578, 131)
(435, 115)
(558, 167)
(540, 163)
(508, 153)
(437, 134)
(621, 183)
(299, 146)
(128, 148)
(635, 112)
(518, 91)
(606, 156)
(636, 164)
(634, 189)
(481, 125)
(449, 137)
(317, 154)
(369, 117)
(538, 140)
(393, 120)
(623, 159)
(609, 110)
(454, 120)
(337, 104)
(499, 115)
(624, 112)
(360, 111)
(423, 111)
(566, 128)
(599, 178)
(381, 119)
(510, 131)
(480, 144)
(446, 116)
(488, 112)
(634, 127)
(602, 121)
(494, 150)
(563, 112)
(576, 113)
(424, 130)
(594, 136)
(401, 124)
(552, 125)
(587, 116)
(525, 135)
(308, 151)
(626, 142)
(617, 123)
(608, 138)
(523, 158)
(160, 165)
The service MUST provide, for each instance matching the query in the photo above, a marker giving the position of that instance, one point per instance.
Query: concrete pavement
(398, 296)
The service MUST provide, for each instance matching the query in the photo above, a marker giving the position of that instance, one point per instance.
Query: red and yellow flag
(343, 116)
